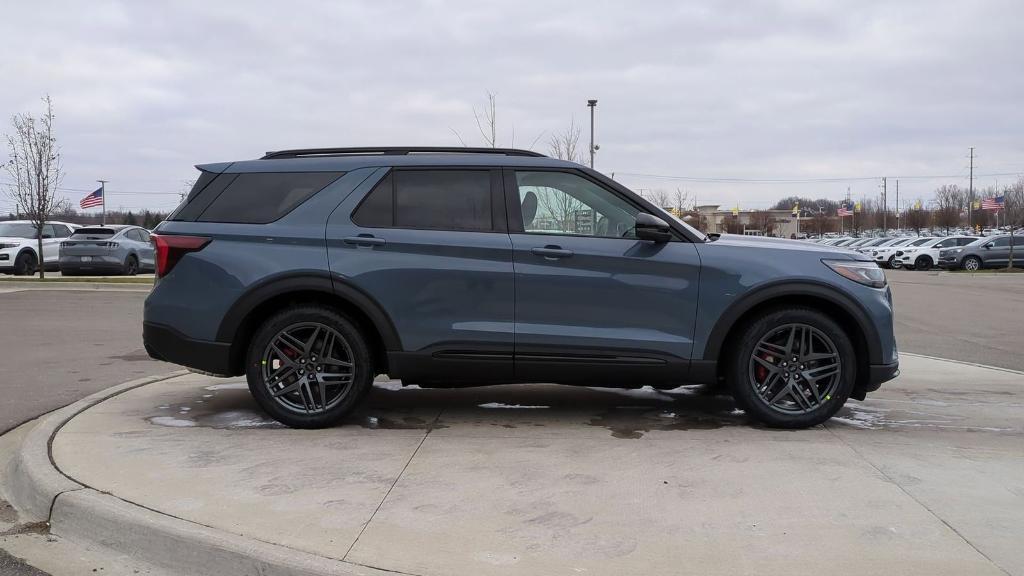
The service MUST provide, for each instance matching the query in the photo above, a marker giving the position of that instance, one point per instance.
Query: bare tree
(488, 126)
(658, 197)
(916, 218)
(35, 168)
(560, 207)
(682, 201)
(950, 201)
(1013, 212)
(565, 145)
(764, 221)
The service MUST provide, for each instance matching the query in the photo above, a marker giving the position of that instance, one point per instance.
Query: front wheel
(25, 264)
(793, 368)
(923, 263)
(894, 263)
(309, 366)
(972, 263)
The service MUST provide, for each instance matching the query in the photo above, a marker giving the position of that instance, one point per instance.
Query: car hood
(15, 239)
(788, 245)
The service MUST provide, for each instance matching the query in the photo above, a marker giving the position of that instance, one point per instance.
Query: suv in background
(312, 271)
(988, 252)
(925, 255)
(19, 246)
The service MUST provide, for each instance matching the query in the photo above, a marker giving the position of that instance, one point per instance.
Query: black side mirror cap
(650, 227)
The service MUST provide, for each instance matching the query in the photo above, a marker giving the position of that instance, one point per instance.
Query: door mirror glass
(652, 228)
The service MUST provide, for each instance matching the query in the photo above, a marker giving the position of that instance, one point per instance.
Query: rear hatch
(89, 242)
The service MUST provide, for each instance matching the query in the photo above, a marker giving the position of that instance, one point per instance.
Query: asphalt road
(59, 346)
(969, 317)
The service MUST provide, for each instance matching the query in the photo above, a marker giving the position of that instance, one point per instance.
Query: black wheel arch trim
(784, 289)
(329, 284)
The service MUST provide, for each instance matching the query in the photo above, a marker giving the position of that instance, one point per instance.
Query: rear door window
(430, 199)
(262, 197)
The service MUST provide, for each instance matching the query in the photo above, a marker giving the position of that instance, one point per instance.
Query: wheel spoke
(803, 367)
(770, 349)
(772, 368)
(782, 393)
(308, 346)
(291, 342)
(287, 389)
(282, 356)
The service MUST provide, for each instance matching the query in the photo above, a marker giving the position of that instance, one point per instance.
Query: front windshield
(17, 230)
(921, 241)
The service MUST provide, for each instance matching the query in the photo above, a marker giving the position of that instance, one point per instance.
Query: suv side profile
(986, 252)
(312, 271)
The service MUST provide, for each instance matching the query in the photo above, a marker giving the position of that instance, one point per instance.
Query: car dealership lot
(923, 477)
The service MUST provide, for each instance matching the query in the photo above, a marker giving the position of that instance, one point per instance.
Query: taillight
(170, 249)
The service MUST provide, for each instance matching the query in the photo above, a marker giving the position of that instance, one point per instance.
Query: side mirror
(652, 228)
(988, 246)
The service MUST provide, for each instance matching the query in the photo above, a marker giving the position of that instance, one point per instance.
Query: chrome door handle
(364, 241)
(552, 252)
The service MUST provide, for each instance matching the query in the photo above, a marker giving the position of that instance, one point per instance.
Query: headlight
(910, 250)
(5, 245)
(866, 273)
(955, 251)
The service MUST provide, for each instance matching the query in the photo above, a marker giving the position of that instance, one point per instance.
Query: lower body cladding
(91, 264)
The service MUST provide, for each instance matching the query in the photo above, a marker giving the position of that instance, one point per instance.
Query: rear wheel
(131, 265)
(25, 264)
(309, 366)
(972, 263)
(793, 368)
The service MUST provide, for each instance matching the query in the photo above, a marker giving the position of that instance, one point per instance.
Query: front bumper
(167, 344)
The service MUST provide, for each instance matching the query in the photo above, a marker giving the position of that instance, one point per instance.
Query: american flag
(993, 203)
(93, 199)
(844, 210)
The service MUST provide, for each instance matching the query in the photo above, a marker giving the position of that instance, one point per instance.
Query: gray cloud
(763, 90)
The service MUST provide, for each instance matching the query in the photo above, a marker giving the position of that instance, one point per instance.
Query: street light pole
(592, 104)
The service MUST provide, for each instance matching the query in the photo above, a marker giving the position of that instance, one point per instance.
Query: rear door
(999, 253)
(147, 254)
(431, 247)
(593, 303)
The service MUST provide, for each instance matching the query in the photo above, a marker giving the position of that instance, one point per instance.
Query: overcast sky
(714, 89)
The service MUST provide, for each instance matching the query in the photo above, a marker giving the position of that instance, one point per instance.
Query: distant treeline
(146, 218)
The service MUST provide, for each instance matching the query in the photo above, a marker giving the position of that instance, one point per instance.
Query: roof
(345, 162)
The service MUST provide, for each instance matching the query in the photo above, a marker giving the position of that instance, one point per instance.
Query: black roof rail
(396, 151)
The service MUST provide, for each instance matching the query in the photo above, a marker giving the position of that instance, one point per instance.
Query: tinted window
(921, 241)
(143, 235)
(93, 233)
(48, 231)
(377, 209)
(443, 199)
(134, 235)
(258, 198)
(1003, 242)
(61, 231)
(563, 203)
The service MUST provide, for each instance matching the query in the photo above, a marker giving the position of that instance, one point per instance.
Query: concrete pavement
(925, 477)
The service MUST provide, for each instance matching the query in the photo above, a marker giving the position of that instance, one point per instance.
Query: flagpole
(103, 196)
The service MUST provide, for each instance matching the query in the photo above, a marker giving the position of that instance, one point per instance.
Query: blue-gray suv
(313, 271)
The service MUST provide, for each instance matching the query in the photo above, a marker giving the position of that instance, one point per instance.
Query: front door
(593, 303)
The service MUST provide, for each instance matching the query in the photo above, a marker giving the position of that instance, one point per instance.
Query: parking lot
(923, 477)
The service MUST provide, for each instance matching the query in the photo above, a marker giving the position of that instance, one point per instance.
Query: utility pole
(103, 195)
(592, 104)
(970, 194)
(885, 207)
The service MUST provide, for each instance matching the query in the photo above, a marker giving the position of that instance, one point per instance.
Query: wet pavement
(926, 476)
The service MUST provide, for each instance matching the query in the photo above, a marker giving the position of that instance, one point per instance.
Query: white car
(925, 255)
(19, 248)
(885, 255)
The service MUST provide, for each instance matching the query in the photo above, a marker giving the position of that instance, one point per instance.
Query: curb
(40, 492)
(964, 362)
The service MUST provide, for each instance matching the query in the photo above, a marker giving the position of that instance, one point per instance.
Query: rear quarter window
(262, 197)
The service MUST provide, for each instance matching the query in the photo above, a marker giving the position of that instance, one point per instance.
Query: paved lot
(970, 317)
(57, 346)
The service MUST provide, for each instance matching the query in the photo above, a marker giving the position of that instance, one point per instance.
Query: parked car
(988, 252)
(115, 249)
(866, 247)
(19, 250)
(885, 254)
(925, 255)
(312, 271)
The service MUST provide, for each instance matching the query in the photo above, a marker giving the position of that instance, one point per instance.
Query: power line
(804, 180)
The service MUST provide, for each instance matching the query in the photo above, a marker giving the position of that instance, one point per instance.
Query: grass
(89, 279)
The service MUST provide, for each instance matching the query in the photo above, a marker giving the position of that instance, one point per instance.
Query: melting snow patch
(172, 422)
(500, 405)
(394, 385)
(646, 393)
(228, 386)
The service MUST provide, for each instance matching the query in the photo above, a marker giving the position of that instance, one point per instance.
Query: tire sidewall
(972, 259)
(25, 263)
(922, 263)
(748, 399)
(128, 269)
(362, 377)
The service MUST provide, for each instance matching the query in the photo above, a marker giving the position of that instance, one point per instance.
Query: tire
(770, 389)
(923, 263)
(25, 264)
(972, 263)
(304, 403)
(131, 265)
(894, 263)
